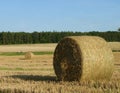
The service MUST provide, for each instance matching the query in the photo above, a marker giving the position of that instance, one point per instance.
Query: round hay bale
(29, 55)
(83, 58)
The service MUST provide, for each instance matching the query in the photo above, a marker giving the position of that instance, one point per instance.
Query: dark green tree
(119, 29)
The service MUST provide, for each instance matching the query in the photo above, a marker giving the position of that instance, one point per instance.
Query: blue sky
(59, 15)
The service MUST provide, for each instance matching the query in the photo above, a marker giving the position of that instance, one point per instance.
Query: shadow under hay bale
(34, 78)
(83, 58)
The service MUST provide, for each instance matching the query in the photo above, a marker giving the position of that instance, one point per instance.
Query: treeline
(50, 37)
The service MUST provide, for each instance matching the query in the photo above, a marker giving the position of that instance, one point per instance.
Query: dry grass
(28, 47)
(78, 57)
(114, 45)
(41, 47)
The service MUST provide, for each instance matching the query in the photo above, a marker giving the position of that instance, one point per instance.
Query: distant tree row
(51, 37)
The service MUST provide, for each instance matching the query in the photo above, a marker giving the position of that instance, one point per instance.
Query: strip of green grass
(115, 50)
(11, 53)
(24, 69)
(22, 53)
(42, 53)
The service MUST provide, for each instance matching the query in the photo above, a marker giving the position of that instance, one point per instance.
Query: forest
(35, 37)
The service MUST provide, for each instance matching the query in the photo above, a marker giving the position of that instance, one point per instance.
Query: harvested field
(115, 46)
(27, 47)
(42, 47)
(36, 75)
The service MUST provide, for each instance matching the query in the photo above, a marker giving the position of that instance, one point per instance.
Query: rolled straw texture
(83, 58)
(29, 55)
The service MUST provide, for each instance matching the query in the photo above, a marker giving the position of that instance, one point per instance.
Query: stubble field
(18, 75)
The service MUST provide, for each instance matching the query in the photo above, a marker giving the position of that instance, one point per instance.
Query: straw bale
(29, 55)
(83, 58)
